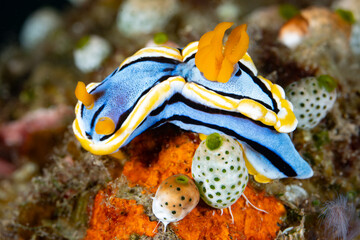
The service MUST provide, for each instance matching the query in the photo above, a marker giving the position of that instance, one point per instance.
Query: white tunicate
(138, 17)
(355, 38)
(38, 26)
(176, 197)
(291, 37)
(228, 11)
(294, 194)
(91, 52)
(219, 170)
(310, 100)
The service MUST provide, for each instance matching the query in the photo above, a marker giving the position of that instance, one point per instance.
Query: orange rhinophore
(83, 96)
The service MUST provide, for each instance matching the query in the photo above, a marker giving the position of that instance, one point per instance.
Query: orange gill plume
(216, 61)
(105, 126)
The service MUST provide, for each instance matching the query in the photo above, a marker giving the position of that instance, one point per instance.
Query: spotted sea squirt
(174, 199)
(219, 170)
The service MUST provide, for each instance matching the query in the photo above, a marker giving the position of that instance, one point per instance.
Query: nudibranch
(205, 88)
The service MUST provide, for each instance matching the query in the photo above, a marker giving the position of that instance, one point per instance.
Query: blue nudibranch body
(205, 87)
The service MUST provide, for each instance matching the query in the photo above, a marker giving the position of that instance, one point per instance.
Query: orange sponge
(123, 217)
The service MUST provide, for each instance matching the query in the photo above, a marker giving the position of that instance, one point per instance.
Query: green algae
(321, 138)
(327, 82)
(346, 15)
(288, 11)
(83, 42)
(160, 38)
(214, 141)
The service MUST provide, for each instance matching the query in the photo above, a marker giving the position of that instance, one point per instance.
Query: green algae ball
(160, 38)
(346, 15)
(213, 141)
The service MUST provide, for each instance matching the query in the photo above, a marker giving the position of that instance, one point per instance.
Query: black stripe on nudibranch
(180, 98)
(258, 82)
(238, 73)
(96, 114)
(189, 58)
(113, 73)
(152, 59)
(105, 80)
(124, 116)
(82, 110)
(275, 159)
(168, 69)
(92, 90)
(116, 71)
(88, 135)
(245, 69)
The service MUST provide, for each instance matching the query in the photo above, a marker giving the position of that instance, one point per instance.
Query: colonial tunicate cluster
(312, 98)
(175, 198)
(219, 170)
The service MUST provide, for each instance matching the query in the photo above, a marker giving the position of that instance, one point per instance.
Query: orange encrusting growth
(249, 223)
(116, 218)
(214, 60)
(83, 96)
(176, 157)
(171, 161)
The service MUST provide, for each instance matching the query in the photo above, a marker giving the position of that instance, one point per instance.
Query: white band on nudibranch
(163, 51)
(287, 121)
(189, 50)
(248, 62)
(209, 98)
